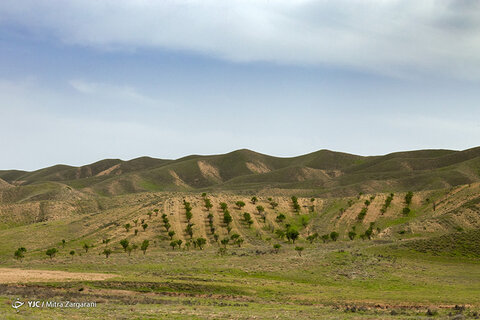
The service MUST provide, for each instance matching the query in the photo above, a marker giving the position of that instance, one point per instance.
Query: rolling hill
(323, 172)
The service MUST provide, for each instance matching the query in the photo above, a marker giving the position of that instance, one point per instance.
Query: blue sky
(84, 80)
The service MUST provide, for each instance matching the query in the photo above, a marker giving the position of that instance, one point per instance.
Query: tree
(260, 209)
(201, 242)
(63, 243)
(204, 194)
(325, 238)
(274, 204)
(86, 247)
(223, 206)
(189, 230)
(105, 241)
(156, 212)
(368, 233)
(51, 252)
(145, 226)
(362, 214)
(173, 244)
(277, 247)
(107, 252)
(215, 237)
(292, 234)
(367, 203)
(171, 234)
(72, 253)
(239, 242)
(136, 222)
(280, 217)
(179, 243)
(334, 235)
(299, 250)
(129, 250)
(240, 204)
(149, 214)
(225, 242)
(254, 200)
(227, 218)
(136, 231)
(127, 227)
(352, 235)
(208, 204)
(189, 215)
(124, 243)
(144, 246)
(19, 253)
(408, 198)
(167, 226)
(406, 210)
(312, 237)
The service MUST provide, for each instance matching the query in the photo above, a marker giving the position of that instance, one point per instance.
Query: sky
(85, 80)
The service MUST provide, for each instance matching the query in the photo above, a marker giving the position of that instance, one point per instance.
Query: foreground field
(417, 265)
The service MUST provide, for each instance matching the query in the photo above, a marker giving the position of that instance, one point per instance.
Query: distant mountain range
(323, 172)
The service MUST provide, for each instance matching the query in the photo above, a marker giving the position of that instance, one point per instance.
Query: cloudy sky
(84, 80)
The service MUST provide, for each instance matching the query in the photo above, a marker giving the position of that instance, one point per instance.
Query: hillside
(323, 173)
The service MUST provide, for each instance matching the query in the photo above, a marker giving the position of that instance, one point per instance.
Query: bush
(51, 252)
(124, 243)
(406, 210)
(254, 200)
(351, 235)
(240, 204)
(277, 247)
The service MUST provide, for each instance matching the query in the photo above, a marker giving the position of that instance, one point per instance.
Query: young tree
(107, 252)
(156, 212)
(86, 247)
(179, 243)
(201, 242)
(127, 227)
(227, 218)
(106, 241)
(280, 218)
(189, 230)
(406, 210)
(72, 253)
(312, 237)
(149, 214)
(224, 242)
(136, 231)
(129, 250)
(63, 243)
(171, 234)
(299, 250)
(145, 226)
(260, 209)
(144, 246)
(325, 238)
(408, 198)
(334, 235)
(351, 235)
(136, 222)
(254, 200)
(273, 204)
(240, 204)
(292, 234)
(124, 243)
(215, 237)
(20, 253)
(167, 226)
(51, 252)
(204, 194)
(189, 215)
(239, 242)
(173, 244)
(277, 247)
(208, 204)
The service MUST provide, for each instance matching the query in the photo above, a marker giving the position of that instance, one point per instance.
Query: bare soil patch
(13, 275)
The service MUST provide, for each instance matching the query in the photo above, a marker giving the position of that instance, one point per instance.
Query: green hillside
(323, 172)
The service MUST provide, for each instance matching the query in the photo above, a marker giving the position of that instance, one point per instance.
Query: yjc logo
(17, 304)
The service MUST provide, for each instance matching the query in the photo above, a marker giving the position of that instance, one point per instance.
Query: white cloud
(384, 36)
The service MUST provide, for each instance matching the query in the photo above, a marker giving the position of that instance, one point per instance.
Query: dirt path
(13, 275)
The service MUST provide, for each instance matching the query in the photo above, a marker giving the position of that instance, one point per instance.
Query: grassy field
(419, 265)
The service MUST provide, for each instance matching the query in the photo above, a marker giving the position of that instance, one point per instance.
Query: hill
(323, 172)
